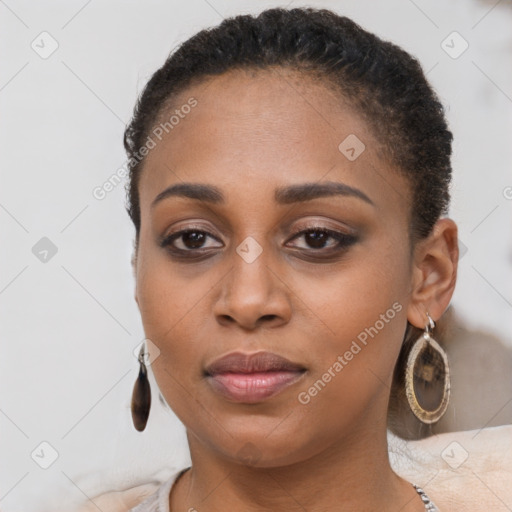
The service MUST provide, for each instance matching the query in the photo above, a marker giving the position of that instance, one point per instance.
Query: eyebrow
(283, 195)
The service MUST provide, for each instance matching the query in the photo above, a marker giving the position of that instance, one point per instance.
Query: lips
(237, 362)
(251, 378)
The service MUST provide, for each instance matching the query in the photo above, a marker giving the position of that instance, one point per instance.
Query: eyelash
(344, 241)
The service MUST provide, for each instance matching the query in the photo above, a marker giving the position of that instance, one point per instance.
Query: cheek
(169, 310)
(164, 303)
(361, 314)
(175, 307)
(348, 301)
(164, 297)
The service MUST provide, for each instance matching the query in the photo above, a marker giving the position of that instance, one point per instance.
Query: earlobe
(434, 273)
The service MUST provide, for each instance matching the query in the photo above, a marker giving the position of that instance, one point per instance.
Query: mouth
(252, 378)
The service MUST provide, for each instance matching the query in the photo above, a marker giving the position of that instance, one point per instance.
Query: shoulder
(149, 497)
(466, 470)
(122, 501)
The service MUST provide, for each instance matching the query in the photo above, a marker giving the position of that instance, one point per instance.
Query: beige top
(159, 500)
(466, 471)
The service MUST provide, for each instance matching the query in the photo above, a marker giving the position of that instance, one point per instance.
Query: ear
(434, 273)
(134, 270)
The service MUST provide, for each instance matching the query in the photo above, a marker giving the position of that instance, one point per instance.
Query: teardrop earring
(141, 395)
(427, 377)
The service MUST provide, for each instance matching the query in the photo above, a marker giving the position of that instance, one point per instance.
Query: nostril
(226, 319)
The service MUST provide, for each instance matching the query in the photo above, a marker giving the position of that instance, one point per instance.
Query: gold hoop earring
(427, 377)
(141, 396)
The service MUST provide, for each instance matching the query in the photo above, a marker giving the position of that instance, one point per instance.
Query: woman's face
(282, 156)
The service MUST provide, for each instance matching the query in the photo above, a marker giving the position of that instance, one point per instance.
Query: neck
(352, 475)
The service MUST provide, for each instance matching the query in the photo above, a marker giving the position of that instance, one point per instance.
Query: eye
(323, 238)
(195, 242)
(189, 240)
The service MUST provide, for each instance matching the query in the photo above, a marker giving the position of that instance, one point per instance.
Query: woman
(289, 180)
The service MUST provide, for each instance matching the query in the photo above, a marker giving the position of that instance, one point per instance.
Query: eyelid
(309, 224)
(187, 227)
(329, 231)
(343, 240)
(324, 225)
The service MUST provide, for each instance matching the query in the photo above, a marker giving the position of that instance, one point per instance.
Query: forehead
(254, 128)
(275, 110)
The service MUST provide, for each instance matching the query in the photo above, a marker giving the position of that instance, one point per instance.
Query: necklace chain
(429, 505)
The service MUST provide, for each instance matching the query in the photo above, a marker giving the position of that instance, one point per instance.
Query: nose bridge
(252, 290)
(250, 282)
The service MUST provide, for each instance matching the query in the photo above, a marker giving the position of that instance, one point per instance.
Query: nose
(253, 294)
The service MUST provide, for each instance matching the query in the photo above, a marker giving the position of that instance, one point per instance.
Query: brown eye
(193, 239)
(188, 240)
(317, 239)
(322, 238)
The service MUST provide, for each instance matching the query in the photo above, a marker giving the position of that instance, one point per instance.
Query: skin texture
(249, 134)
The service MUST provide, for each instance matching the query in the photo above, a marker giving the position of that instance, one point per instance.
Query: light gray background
(69, 324)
